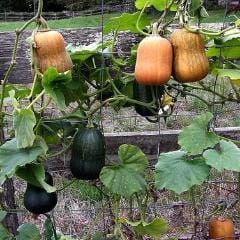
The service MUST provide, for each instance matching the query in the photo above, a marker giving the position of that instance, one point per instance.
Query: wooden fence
(22, 16)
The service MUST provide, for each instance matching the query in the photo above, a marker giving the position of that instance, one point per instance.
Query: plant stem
(139, 18)
(167, 8)
(190, 94)
(36, 99)
(67, 185)
(64, 149)
(218, 94)
(192, 193)
(232, 140)
(201, 31)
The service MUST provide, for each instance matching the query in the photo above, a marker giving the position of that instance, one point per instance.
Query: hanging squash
(154, 60)
(88, 154)
(190, 63)
(49, 51)
(221, 228)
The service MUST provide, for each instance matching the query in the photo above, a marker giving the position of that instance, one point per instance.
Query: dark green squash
(143, 93)
(37, 200)
(88, 154)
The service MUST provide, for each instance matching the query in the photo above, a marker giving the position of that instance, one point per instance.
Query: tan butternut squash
(190, 63)
(49, 51)
(154, 61)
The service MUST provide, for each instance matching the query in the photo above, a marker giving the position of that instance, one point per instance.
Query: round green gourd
(37, 200)
(88, 154)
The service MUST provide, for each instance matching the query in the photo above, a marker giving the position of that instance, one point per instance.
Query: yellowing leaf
(167, 100)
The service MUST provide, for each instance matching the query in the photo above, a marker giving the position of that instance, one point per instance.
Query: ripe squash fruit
(88, 154)
(190, 63)
(154, 61)
(37, 200)
(49, 51)
(221, 228)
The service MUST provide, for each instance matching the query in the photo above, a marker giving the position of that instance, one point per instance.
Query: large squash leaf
(154, 229)
(35, 175)
(24, 123)
(196, 137)
(11, 158)
(227, 157)
(126, 177)
(174, 171)
(126, 22)
(54, 84)
(232, 74)
(28, 231)
(5, 234)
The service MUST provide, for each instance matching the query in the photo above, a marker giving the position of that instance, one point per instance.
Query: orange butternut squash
(190, 63)
(154, 61)
(49, 51)
(221, 228)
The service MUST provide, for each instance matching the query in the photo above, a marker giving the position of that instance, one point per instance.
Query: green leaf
(54, 84)
(11, 158)
(155, 229)
(225, 158)
(126, 22)
(24, 123)
(35, 175)
(83, 52)
(98, 236)
(196, 137)
(174, 171)
(20, 92)
(28, 231)
(15, 103)
(4, 233)
(48, 229)
(233, 74)
(203, 12)
(230, 49)
(126, 177)
(195, 5)
(160, 5)
(3, 214)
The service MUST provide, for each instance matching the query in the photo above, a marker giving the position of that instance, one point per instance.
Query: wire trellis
(75, 217)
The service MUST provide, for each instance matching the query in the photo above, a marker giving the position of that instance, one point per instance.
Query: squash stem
(36, 99)
(139, 18)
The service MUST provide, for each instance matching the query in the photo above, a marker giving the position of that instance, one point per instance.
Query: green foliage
(126, 22)
(158, 5)
(48, 229)
(11, 158)
(176, 172)
(5, 235)
(196, 137)
(24, 123)
(155, 229)
(3, 214)
(54, 84)
(84, 191)
(126, 177)
(232, 74)
(28, 231)
(227, 46)
(226, 157)
(35, 175)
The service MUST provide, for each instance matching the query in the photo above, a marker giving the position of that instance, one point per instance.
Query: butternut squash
(154, 61)
(49, 51)
(190, 63)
